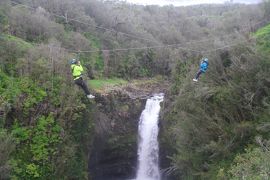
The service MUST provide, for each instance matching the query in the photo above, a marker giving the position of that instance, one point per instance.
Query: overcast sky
(186, 2)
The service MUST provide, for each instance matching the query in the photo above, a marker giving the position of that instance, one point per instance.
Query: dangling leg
(85, 88)
(198, 75)
(81, 84)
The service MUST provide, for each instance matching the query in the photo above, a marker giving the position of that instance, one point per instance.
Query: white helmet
(73, 61)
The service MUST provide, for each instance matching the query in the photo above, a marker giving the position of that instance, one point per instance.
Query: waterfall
(148, 149)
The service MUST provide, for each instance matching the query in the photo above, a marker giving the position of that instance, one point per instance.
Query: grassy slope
(263, 38)
(100, 85)
(20, 42)
(105, 86)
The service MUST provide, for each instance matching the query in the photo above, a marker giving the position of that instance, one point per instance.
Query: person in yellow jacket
(77, 70)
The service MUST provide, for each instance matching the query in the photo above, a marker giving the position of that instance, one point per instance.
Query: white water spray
(148, 150)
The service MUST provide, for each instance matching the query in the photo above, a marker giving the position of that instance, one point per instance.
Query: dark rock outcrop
(114, 152)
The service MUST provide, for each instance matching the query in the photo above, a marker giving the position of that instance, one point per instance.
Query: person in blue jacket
(203, 68)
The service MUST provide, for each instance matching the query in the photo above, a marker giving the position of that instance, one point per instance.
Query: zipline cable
(224, 47)
(127, 34)
(179, 46)
(156, 47)
(88, 24)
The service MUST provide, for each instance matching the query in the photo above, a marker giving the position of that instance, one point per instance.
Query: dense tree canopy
(209, 128)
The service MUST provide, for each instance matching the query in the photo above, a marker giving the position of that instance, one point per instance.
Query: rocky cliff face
(114, 152)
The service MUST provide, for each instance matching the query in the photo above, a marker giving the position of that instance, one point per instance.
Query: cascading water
(148, 149)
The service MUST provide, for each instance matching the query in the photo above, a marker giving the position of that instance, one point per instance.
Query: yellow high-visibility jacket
(76, 71)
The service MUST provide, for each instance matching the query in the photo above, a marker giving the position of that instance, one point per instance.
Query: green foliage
(266, 6)
(206, 121)
(213, 120)
(94, 41)
(35, 94)
(25, 106)
(36, 148)
(8, 88)
(137, 65)
(147, 64)
(180, 73)
(263, 38)
(72, 162)
(102, 84)
(251, 165)
(33, 26)
(129, 67)
(99, 64)
(7, 146)
(263, 31)
(13, 89)
(21, 133)
(45, 138)
(11, 48)
(93, 61)
(21, 44)
(3, 19)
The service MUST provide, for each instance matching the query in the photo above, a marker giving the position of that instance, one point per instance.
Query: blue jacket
(204, 66)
